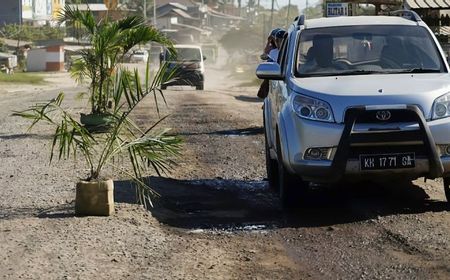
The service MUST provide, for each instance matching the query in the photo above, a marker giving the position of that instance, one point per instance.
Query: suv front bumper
(349, 144)
(185, 77)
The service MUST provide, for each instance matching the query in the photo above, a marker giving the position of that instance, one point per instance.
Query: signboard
(49, 8)
(56, 7)
(27, 9)
(339, 9)
(40, 9)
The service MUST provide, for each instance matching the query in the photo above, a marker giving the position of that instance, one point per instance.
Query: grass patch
(22, 78)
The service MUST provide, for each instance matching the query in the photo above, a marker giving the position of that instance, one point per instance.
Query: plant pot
(97, 122)
(94, 198)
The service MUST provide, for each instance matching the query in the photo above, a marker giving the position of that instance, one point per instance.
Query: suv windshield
(185, 54)
(360, 50)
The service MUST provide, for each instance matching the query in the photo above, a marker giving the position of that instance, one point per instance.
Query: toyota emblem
(383, 115)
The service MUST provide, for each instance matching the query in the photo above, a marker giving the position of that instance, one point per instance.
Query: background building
(35, 12)
(10, 12)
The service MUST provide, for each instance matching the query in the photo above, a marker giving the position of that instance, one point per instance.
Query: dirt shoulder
(53, 80)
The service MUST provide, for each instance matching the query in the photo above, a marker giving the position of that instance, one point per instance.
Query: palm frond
(74, 15)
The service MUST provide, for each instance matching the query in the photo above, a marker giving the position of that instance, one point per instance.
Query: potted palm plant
(109, 40)
(114, 94)
(143, 148)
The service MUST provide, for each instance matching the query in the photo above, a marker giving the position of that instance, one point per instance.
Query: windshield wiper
(351, 72)
(360, 72)
(420, 70)
(368, 72)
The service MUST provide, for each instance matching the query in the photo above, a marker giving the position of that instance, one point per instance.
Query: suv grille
(395, 117)
(381, 142)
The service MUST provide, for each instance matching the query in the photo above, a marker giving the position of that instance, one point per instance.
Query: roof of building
(444, 30)
(218, 14)
(182, 13)
(91, 7)
(179, 12)
(2, 54)
(185, 46)
(171, 6)
(186, 3)
(428, 4)
(191, 27)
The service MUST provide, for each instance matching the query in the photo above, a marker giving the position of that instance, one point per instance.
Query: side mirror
(269, 71)
(204, 57)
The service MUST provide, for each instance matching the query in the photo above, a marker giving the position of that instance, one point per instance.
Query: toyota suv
(356, 97)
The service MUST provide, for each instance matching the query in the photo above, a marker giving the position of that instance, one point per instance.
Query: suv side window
(283, 53)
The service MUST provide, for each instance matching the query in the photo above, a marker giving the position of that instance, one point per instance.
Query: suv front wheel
(292, 189)
(199, 87)
(447, 189)
(271, 164)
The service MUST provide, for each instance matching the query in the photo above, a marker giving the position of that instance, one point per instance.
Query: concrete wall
(10, 11)
(55, 58)
(46, 59)
(36, 60)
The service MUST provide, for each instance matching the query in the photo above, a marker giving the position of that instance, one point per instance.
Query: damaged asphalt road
(359, 230)
(216, 217)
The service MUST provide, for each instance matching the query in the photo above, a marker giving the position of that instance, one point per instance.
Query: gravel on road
(216, 218)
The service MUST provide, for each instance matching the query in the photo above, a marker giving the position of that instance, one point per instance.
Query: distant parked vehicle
(139, 56)
(210, 50)
(185, 67)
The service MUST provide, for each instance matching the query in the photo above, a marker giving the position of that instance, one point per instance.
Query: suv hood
(342, 92)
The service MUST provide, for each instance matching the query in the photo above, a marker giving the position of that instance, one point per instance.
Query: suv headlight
(312, 109)
(441, 107)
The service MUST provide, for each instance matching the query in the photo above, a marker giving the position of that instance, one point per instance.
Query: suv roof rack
(300, 20)
(407, 14)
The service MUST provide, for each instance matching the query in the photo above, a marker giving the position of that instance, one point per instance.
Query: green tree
(314, 11)
(110, 41)
(31, 33)
(244, 38)
(285, 16)
(3, 47)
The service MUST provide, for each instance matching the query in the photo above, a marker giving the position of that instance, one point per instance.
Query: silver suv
(357, 97)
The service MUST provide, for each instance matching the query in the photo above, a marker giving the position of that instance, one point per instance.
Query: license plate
(387, 161)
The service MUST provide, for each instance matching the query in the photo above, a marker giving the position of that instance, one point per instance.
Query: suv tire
(447, 189)
(292, 189)
(199, 87)
(271, 164)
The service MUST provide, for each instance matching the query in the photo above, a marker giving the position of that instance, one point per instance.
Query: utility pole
(288, 10)
(154, 13)
(239, 7)
(264, 30)
(145, 11)
(271, 14)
